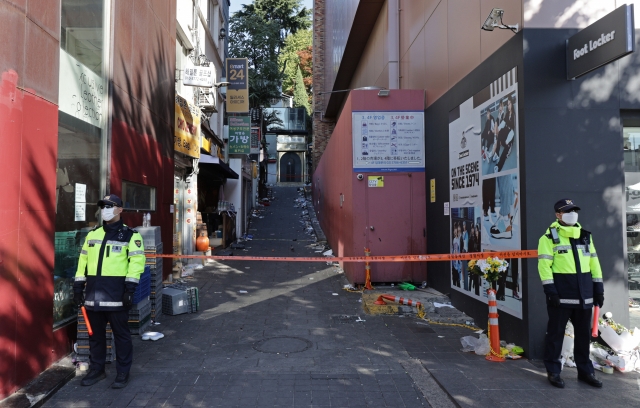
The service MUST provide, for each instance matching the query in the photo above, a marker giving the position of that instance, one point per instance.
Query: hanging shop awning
(206, 160)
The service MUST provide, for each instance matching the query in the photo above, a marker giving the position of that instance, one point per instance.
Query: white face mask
(570, 218)
(108, 213)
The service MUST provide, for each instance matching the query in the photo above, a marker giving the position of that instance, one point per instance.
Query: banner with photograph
(484, 188)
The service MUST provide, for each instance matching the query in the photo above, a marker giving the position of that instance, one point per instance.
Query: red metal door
(388, 229)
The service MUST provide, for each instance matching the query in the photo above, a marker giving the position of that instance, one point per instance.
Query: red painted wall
(141, 147)
(143, 81)
(396, 232)
(138, 158)
(28, 148)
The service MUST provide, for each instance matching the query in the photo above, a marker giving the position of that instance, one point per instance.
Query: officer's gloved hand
(127, 299)
(598, 299)
(78, 298)
(553, 300)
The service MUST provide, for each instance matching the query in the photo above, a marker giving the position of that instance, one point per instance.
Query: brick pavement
(291, 342)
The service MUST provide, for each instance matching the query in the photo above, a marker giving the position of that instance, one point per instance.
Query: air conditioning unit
(207, 99)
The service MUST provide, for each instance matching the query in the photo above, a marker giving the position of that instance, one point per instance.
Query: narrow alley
(297, 339)
(292, 340)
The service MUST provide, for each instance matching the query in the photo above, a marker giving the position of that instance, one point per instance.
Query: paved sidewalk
(294, 340)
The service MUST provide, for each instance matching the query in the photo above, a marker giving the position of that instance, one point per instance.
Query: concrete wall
(569, 13)
(440, 43)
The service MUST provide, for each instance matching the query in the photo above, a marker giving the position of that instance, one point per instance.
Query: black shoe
(93, 377)
(122, 379)
(590, 379)
(555, 380)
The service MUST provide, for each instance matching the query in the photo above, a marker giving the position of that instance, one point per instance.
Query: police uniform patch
(138, 243)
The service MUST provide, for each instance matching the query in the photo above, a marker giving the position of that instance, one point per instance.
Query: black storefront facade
(573, 141)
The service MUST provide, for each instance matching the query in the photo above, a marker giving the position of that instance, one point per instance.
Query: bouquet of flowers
(489, 268)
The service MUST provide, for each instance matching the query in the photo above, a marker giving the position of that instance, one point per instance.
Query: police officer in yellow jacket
(111, 262)
(572, 281)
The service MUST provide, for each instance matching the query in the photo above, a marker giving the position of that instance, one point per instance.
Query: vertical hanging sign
(255, 140)
(239, 135)
(238, 88)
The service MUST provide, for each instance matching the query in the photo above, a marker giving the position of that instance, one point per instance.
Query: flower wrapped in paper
(489, 269)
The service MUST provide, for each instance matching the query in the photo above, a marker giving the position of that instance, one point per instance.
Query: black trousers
(121, 336)
(558, 318)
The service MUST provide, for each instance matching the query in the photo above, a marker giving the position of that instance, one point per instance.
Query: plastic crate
(140, 305)
(175, 301)
(135, 316)
(151, 236)
(144, 286)
(139, 330)
(83, 334)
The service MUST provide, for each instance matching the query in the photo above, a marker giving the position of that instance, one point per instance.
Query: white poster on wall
(80, 212)
(82, 91)
(81, 193)
(484, 188)
(388, 141)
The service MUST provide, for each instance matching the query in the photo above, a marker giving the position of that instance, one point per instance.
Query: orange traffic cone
(367, 268)
(397, 299)
(494, 331)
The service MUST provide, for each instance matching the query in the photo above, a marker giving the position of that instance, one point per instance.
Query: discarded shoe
(93, 377)
(121, 381)
(555, 380)
(590, 379)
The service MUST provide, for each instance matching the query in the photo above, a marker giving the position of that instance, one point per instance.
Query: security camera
(495, 20)
(360, 176)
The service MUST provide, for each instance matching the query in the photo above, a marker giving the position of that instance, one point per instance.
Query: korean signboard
(238, 88)
(239, 135)
(388, 141)
(198, 76)
(187, 128)
(255, 140)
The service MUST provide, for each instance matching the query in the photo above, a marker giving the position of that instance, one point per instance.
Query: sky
(237, 5)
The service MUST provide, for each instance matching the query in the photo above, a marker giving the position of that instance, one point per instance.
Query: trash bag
(566, 354)
(472, 344)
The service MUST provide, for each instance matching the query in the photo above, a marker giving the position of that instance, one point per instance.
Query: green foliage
(293, 56)
(300, 97)
(289, 15)
(258, 32)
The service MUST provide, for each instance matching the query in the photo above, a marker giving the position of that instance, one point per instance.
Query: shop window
(632, 191)
(80, 162)
(138, 196)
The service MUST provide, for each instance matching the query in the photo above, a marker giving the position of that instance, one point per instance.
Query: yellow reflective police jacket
(569, 267)
(111, 262)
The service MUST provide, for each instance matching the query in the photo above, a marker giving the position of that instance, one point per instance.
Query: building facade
(201, 172)
(88, 95)
(506, 134)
